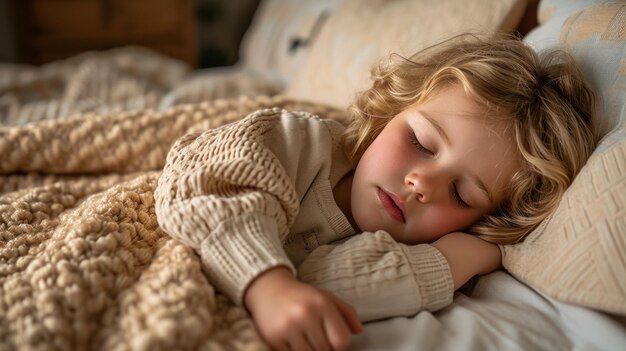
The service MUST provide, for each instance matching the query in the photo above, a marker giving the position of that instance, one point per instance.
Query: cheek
(441, 220)
(390, 150)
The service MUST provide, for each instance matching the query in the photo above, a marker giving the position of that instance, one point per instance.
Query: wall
(221, 25)
(8, 52)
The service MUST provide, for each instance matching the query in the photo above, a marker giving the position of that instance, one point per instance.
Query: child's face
(426, 174)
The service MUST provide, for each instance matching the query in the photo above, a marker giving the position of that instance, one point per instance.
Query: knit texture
(381, 277)
(234, 195)
(109, 81)
(83, 262)
(225, 183)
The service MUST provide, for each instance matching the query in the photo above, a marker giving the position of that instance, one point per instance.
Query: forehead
(452, 105)
(453, 99)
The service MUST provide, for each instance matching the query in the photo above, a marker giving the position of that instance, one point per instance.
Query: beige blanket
(83, 262)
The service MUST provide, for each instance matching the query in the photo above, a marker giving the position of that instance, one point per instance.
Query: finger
(350, 315)
(336, 330)
(299, 342)
(317, 338)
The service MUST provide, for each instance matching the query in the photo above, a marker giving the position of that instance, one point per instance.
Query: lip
(392, 204)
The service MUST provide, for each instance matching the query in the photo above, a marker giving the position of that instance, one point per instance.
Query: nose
(422, 185)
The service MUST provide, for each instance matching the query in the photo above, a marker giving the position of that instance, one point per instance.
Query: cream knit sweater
(257, 193)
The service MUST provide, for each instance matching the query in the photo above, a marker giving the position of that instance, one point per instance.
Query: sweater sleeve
(380, 277)
(227, 195)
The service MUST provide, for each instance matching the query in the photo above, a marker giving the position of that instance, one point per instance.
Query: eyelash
(417, 144)
(455, 193)
(457, 197)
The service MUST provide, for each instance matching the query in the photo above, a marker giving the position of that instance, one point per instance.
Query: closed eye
(454, 192)
(417, 144)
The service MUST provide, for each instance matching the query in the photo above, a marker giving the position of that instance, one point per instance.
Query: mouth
(391, 203)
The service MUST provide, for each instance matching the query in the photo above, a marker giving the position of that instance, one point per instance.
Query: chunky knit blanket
(83, 262)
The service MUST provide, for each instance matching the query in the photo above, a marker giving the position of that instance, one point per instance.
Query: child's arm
(224, 194)
(468, 256)
(382, 278)
(232, 194)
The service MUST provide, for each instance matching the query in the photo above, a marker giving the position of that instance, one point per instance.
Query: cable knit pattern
(83, 262)
(91, 271)
(135, 140)
(224, 186)
(228, 194)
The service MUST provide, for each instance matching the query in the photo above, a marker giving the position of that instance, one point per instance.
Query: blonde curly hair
(545, 95)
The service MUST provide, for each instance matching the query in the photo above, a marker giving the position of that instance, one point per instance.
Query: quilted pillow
(359, 33)
(578, 255)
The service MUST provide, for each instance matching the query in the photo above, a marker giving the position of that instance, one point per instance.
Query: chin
(367, 222)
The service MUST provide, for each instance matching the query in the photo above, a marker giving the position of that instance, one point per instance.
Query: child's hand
(467, 256)
(291, 315)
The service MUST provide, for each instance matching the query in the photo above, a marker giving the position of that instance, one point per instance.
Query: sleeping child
(315, 227)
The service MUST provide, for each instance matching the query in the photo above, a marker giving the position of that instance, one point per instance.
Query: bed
(501, 313)
(84, 265)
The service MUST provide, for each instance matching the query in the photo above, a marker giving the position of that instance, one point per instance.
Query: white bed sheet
(501, 313)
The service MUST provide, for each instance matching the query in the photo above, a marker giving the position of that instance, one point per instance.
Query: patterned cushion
(578, 255)
(359, 33)
(280, 36)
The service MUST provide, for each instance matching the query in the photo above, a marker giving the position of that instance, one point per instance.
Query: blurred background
(203, 33)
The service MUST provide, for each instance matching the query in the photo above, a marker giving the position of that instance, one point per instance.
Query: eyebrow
(442, 133)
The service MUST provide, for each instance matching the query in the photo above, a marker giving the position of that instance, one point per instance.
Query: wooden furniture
(48, 30)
